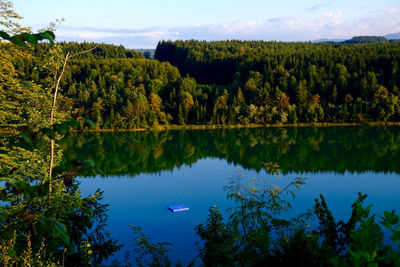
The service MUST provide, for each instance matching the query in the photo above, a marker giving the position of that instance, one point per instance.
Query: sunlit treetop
(8, 18)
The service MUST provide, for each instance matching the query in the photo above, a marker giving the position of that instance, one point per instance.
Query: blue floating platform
(177, 208)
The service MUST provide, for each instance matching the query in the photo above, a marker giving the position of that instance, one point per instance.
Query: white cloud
(291, 28)
(333, 18)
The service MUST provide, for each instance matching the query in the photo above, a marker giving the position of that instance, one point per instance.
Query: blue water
(142, 199)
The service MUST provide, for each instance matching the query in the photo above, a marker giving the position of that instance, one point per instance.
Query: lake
(144, 172)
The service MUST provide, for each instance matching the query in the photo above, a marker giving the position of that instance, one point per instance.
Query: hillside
(227, 82)
(394, 36)
(366, 40)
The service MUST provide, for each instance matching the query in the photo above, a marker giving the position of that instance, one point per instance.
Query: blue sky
(141, 24)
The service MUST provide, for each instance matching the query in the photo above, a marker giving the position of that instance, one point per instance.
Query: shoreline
(240, 126)
(236, 126)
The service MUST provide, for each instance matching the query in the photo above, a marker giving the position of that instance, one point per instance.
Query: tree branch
(53, 108)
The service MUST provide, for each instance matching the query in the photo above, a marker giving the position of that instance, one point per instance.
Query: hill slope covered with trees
(226, 82)
(326, 82)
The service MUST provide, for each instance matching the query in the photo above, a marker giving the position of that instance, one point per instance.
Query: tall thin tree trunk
(53, 108)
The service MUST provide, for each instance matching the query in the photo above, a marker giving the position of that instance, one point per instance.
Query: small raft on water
(177, 208)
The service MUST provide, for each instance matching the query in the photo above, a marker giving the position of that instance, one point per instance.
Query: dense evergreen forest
(368, 40)
(296, 81)
(45, 220)
(218, 83)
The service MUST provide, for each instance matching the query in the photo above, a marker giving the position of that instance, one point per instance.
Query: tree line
(44, 220)
(294, 82)
(214, 83)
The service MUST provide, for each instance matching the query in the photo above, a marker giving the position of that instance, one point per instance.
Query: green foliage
(298, 247)
(337, 73)
(237, 83)
(22, 102)
(277, 82)
(61, 216)
(247, 237)
(27, 38)
(147, 54)
(220, 240)
(391, 221)
(43, 214)
(16, 34)
(366, 239)
(366, 39)
(148, 253)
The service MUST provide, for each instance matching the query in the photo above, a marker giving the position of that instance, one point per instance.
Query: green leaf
(38, 36)
(50, 133)
(20, 186)
(30, 38)
(368, 210)
(91, 123)
(60, 231)
(48, 35)
(43, 190)
(27, 84)
(89, 163)
(53, 36)
(25, 137)
(385, 223)
(62, 128)
(18, 40)
(3, 197)
(12, 253)
(4, 35)
(73, 123)
(396, 235)
(391, 217)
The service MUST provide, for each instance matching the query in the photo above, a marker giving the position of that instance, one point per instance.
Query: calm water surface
(144, 172)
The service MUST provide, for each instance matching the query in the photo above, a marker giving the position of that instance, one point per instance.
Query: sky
(142, 24)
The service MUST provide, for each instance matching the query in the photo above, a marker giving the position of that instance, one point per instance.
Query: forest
(296, 82)
(44, 219)
(217, 83)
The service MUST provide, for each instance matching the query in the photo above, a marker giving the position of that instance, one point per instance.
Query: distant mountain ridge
(393, 36)
(327, 40)
(362, 39)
